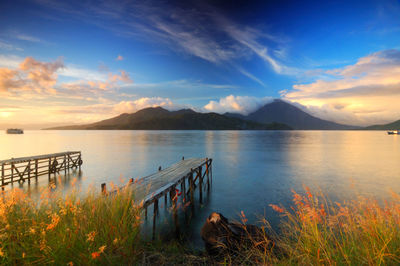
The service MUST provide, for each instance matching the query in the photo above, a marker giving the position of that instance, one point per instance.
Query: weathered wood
(25, 168)
(2, 174)
(155, 211)
(191, 183)
(150, 189)
(200, 186)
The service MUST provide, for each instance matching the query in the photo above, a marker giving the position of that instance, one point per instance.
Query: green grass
(94, 229)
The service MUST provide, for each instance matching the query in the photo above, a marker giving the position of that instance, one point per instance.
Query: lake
(251, 169)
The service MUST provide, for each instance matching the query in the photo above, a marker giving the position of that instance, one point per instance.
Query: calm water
(251, 169)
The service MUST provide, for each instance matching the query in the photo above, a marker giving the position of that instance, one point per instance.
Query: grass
(93, 229)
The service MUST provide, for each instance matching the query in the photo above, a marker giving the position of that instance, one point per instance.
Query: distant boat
(394, 132)
(15, 131)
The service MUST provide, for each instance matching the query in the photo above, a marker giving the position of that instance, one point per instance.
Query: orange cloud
(31, 75)
(119, 58)
(367, 92)
(111, 82)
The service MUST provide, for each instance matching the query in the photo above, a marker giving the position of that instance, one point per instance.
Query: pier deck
(188, 173)
(25, 168)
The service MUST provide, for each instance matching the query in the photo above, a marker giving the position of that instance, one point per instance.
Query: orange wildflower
(102, 248)
(91, 236)
(277, 208)
(95, 255)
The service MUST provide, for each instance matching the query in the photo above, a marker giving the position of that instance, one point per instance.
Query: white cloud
(237, 104)
(145, 102)
(365, 93)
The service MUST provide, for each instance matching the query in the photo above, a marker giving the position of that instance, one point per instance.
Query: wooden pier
(25, 168)
(181, 178)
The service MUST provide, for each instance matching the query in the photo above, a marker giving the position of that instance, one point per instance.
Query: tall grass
(69, 229)
(94, 229)
(359, 232)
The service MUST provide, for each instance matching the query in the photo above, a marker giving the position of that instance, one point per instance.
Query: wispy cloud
(24, 37)
(119, 58)
(197, 30)
(367, 91)
(9, 47)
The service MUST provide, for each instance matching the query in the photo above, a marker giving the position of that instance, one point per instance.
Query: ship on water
(15, 131)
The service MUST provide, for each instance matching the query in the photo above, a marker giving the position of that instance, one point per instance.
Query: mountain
(186, 119)
(391, 126)
(281, 112)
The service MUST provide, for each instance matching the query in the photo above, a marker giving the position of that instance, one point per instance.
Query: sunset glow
(71, 63)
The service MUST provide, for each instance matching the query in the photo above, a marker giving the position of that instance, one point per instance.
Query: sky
(73, 62)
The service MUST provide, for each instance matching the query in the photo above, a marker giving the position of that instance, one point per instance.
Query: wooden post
(182, 192)
(80, 161)
(104, 188)
(165, 200)
(49, 168)
(29, 172)
(200, 185)
(12, 173)
(208, 174)
(174, 200)
(36, 169)
(155, 211)
(191, 184)
(2, 174)
(184, 189)
(65, 164)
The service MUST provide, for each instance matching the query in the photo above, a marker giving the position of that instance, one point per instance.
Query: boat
(394, 132)
(15, 131)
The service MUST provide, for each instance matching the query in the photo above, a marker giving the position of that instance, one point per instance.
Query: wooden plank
(46, 156)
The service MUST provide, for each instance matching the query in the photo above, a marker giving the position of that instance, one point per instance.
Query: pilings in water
(25, 168)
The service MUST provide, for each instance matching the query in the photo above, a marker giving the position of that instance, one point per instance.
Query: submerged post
(155, 211)
(200, 185)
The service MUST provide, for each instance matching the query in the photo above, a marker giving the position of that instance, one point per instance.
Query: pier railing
(25, 168)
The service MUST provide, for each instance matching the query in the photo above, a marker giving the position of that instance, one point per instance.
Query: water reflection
(251, 169)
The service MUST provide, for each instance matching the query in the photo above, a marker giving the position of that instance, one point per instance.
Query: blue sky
(80, 61)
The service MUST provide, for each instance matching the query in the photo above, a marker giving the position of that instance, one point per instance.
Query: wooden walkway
(181, 178)
(25, 168)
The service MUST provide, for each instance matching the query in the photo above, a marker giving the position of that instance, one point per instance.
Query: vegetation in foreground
(68, 230)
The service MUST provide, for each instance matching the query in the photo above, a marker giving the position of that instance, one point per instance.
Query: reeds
(96, 229)
(68, 229)
(360, 232)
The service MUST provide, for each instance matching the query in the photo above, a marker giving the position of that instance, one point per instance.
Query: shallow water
(251, 169)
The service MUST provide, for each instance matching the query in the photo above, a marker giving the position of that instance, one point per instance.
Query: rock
(220, 236)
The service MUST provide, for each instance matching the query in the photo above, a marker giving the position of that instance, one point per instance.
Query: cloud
(145, 102)
(112, 81)
(363, 93)
(237, 104)
(24, 37)
(119, 58)
(198, 30)
(9, 47)
(31, 78)
(31, 75)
